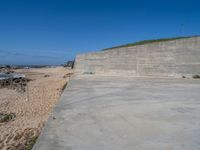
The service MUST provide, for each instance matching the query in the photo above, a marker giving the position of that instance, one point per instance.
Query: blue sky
(53, 31)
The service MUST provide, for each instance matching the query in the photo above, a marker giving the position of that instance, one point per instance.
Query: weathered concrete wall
(171, 58)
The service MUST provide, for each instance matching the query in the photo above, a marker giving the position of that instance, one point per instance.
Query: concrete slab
(118, 113)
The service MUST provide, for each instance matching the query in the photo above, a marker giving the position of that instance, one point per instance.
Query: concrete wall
(171, 58)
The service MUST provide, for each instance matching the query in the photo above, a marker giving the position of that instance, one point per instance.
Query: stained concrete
(124, 113)
(174, 58)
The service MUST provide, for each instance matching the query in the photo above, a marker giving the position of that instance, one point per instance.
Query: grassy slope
(148, 42)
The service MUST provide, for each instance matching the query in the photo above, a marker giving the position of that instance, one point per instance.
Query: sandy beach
(32, 107)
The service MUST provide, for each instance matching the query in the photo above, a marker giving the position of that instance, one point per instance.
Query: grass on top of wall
(148, 42)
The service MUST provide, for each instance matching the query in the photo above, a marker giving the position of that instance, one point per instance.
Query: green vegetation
(88, 73)
(6, 117)
(196, 76)
(26, 139)
(29, 145)
(148, 42)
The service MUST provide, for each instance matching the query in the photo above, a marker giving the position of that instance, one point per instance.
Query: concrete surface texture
(175, 58)
(125, 113)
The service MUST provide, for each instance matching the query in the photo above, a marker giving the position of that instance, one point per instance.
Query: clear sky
(53, 31)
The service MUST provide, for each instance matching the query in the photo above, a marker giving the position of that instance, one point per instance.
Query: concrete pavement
(124, 113)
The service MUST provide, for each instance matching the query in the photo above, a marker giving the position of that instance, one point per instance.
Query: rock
(46, 75)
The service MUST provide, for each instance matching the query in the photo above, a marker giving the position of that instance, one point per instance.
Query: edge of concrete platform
(51, 115)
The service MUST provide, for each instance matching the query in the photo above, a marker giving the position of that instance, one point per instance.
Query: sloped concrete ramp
(124, 113)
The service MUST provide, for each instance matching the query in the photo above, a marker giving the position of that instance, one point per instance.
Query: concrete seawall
(175, 58)
(125, 112)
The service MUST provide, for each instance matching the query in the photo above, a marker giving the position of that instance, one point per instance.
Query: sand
(31, 108)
